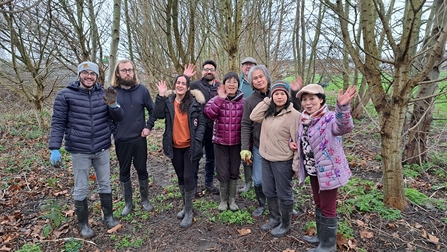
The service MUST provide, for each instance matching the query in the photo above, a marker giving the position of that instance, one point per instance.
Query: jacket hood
(195, 93)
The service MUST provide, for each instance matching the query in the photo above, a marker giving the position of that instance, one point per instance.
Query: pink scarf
(306, 119)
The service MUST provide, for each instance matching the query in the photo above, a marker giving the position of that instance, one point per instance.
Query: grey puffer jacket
(83, 119)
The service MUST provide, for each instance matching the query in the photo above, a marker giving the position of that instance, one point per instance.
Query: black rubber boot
(315, 239)
(328, 235)
(187, 220)
(144, 192)
(181, 214)
(127, 195)
(82, 213)
(275, 217)
(248, 176)
(107, 209)
(286, 218)
(261, 200)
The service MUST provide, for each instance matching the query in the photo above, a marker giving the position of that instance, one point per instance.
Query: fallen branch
(404, 241)
(71, 238)
(26, 180)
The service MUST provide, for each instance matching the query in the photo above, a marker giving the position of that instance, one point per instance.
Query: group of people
(245, 118)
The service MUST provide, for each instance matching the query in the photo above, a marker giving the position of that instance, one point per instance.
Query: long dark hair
(271, 111)
(188, 98)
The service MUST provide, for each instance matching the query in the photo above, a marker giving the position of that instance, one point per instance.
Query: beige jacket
(276, 131)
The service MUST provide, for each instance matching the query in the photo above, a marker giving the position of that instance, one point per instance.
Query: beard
(209, 77)
(129, 83)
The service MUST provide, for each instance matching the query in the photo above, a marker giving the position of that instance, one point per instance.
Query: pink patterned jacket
(326, 143)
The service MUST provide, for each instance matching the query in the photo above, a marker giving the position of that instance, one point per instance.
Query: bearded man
(130, 133)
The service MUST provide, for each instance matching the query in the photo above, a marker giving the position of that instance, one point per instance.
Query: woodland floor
(28, 197)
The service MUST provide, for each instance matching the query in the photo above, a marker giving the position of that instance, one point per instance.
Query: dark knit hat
(280, 85)
(87, 65)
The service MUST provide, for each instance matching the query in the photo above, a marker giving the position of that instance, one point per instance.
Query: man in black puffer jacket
(82, 114)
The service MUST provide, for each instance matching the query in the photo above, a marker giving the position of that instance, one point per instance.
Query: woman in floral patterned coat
(321, 156)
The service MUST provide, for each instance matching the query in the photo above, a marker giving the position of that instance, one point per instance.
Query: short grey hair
(266, 73)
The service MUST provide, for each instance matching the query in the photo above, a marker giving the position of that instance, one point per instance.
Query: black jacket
(134, 101)
(208, 91)
(164, 108)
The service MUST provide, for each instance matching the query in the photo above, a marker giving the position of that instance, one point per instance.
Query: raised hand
(221, 91)
(345, 98)
(297, 84)
(189, 70)
(110, 96)
(162, 88)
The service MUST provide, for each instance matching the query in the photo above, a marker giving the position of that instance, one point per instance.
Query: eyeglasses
(124, 71)
(85, 73)
(209, 69)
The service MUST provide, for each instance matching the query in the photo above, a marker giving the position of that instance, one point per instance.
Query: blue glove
(55, 158)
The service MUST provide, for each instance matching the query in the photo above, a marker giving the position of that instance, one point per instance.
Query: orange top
(180, 130)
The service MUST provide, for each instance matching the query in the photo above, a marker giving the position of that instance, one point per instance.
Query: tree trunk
(115, 39)
(391, 121)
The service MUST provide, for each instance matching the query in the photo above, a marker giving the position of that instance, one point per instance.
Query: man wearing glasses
(130, 133)
(82, 119)
(208, 86)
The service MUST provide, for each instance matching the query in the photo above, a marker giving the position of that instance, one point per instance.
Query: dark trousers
(326, 200)
(229, 161)
(133, 152)
(209, 154)
(277, 180)
(184, 168)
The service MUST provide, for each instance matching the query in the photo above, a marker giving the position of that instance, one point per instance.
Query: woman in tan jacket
(279, 124)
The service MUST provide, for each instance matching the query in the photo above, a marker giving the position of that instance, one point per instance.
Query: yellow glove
(245, 153)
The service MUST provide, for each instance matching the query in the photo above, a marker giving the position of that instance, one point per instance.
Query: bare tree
(391, 95)
(29, 72)
(81, 31)
(421, 117)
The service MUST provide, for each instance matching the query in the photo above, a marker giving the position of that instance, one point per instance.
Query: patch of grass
(207, 208)
(363, 196)
(345, 229)
(412, 170)
(439, 158)
(30, 248)
(52, 213)
(128, 242)
(72, 245)
(421, 199)
(237, 217)
(308, 225)
(52, 182)
(250, 195)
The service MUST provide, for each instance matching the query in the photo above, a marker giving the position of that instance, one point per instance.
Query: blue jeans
(81, 169)
(257, 167)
